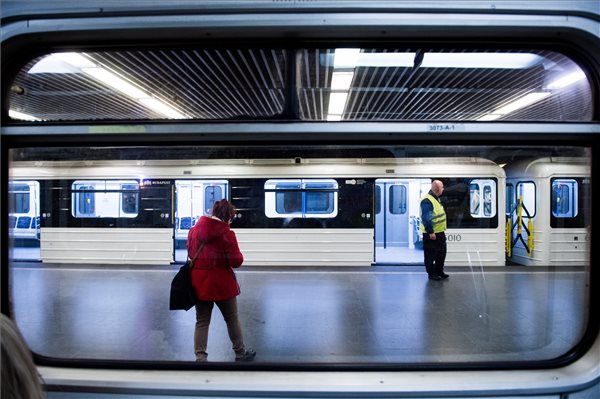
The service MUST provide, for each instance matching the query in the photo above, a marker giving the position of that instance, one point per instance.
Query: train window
(212, 194)
(316, 216)
(130, 198)
(526, 192)
(398, 199)
(19, 197)
(330, 84)
(85, 201)
(482, 198)
(564, 198)
(288, 202)
(105, 198)
(510, 198)
(303, 198)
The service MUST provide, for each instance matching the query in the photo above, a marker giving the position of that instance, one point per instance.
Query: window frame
(274, 196)
(90, 192)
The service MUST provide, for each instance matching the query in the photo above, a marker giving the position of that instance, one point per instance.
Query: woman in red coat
(214, 279)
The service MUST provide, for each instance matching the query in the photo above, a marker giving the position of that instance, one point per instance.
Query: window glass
(398, 199)
(19, 198)
(510, 198)
(314, 252)
(487, 201)
(482, 194)
(526, 191)
(331, 84)
(130, 198)
(301, 198)
(564, 198)
(319, 197)
(85, 200)
(288, 197)
(212, 194)
(475, 199)
(105, 198)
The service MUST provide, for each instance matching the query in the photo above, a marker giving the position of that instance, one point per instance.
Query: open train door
(24, 220)
(397, 235)
(194, 198)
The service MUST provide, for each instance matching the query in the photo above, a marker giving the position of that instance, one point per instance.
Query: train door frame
(28, 241)
(411, 254)
(203, 209)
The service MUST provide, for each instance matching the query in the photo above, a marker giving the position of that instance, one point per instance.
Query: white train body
(344, 235)
(556, 193)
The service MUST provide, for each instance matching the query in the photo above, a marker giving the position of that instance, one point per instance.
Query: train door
(24, 219)
(523, 214)
(397, 236)
(194, 198)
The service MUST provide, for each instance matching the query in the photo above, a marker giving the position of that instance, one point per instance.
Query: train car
(291, 212)
(23, 221)
(548, 201)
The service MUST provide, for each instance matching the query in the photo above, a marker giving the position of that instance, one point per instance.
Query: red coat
(212, 275)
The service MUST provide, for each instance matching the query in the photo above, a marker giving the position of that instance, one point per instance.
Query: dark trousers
(435, 253)
(229, 311)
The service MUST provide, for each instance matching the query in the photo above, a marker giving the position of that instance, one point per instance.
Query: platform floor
(307, 315)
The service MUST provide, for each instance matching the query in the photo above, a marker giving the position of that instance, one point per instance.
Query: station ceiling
(312, 84)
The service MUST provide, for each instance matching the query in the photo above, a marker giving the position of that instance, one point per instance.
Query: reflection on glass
(314, 235)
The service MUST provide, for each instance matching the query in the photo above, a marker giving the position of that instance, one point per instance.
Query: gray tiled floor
(342, 315)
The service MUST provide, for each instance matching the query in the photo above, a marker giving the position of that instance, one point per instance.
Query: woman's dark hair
(223, 210)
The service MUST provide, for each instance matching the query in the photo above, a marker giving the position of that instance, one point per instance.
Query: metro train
(116, 74)
(318, 212)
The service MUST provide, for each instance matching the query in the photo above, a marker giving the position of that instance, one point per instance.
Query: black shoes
(438, 277)
(248, 356)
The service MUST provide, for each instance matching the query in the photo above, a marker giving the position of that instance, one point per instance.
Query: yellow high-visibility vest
(438, 220)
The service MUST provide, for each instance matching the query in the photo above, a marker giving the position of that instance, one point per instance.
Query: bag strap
(197, 253)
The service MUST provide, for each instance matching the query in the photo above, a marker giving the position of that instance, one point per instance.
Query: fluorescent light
(75, 59)
(337, 103)
(76, 62)
(481, 60)
(490, 117)
(61, 63)
(19, 115)
(52, 65)
(161, 107)
(385, 59)
(345, 57)
(127, 88)
(515, 105)
(567, 80)
(352, 58)
(115, 82)
(521, 103)
(341, 81)
(334, 117)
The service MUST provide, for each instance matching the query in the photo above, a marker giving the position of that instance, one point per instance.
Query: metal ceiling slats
(215, 85)
(224, 84)
(196, 103)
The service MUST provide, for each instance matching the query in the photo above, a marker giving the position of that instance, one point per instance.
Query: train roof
(549, 166)
(283, 167)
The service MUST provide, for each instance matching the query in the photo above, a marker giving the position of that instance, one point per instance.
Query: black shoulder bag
(183, 294)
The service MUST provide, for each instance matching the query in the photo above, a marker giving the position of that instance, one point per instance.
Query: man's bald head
(437, 187)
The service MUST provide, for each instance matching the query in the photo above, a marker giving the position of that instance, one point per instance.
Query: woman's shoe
(247, 356)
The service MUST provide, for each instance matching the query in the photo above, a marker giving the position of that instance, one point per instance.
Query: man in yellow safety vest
(433, 227)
